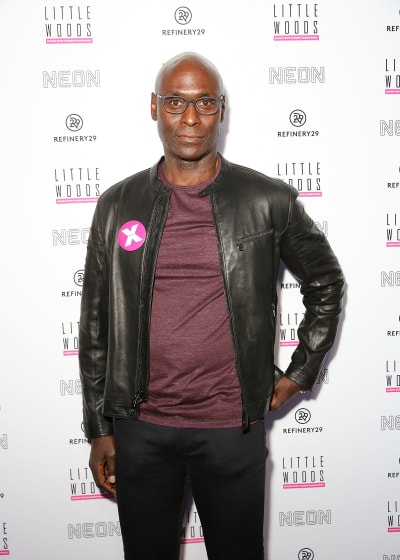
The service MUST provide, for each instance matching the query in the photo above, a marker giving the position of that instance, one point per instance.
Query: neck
(188, 173)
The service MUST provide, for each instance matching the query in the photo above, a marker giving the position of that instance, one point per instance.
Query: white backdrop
(312, 93)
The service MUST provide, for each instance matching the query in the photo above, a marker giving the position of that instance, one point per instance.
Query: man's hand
(102, 463)
(284, 390)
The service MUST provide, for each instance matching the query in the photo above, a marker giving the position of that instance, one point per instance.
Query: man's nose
(190, 116)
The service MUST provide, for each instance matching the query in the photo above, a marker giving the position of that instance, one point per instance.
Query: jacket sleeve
(308, 255)
(93, 333)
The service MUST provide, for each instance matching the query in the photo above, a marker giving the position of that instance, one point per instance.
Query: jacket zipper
(245, 418)
(141, 391)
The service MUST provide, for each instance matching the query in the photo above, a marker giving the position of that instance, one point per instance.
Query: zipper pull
(137, 401)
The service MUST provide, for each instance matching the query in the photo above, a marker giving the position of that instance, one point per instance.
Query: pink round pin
(131, 235)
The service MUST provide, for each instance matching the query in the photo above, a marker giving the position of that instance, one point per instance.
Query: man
(177, 327)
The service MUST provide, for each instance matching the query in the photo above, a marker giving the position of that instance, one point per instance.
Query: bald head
(185, 63)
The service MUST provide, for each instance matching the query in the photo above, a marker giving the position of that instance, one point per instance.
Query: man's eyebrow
(179, 94)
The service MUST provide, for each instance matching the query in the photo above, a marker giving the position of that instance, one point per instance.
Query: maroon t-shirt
(193, 379)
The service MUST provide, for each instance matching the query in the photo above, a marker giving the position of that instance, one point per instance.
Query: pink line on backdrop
(305, 485)
(391, 91)
(71, 352)
(394, 530)
(4, 552)
(68, 41)
(392, 389)
(294, 343)
(91, 497)
(310, 193)
(296, 38)
(392, 243)
(192, 541)
(74, 200)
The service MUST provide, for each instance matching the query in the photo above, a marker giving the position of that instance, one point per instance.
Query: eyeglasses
(204, 105)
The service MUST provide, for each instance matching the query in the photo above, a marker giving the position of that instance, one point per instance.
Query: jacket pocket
(242, 241)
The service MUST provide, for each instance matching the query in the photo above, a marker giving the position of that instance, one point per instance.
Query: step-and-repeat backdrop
(313, 98)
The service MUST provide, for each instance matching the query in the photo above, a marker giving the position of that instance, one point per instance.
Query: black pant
(226, 471)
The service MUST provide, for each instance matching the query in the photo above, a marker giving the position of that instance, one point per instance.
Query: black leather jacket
(258, 221)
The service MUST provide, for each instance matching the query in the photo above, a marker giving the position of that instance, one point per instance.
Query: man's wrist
(302, 389)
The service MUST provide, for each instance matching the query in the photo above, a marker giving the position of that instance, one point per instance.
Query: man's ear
(153, 106)
(222, 108)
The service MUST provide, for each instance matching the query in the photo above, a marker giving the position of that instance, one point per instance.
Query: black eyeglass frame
(188, 100)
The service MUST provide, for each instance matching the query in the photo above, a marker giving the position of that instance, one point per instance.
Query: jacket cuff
(304, 380)
(98, 429)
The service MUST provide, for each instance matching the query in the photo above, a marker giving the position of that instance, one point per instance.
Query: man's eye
(205, 102)
(175, 102)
